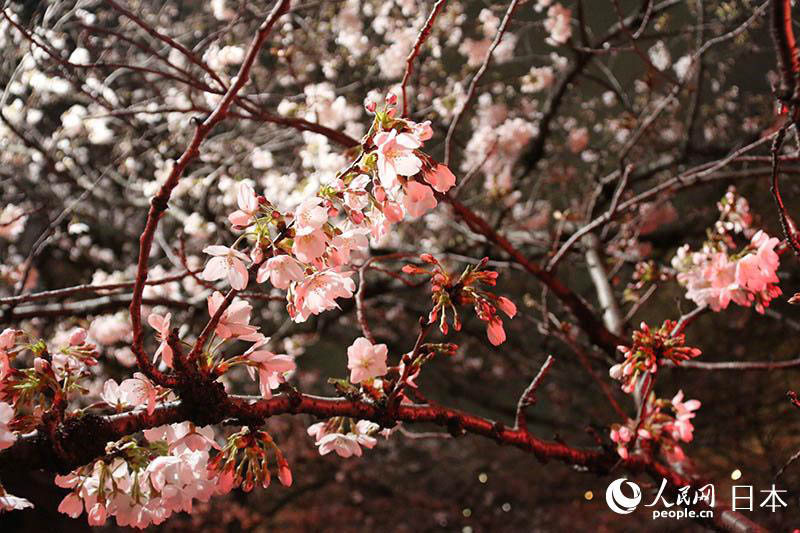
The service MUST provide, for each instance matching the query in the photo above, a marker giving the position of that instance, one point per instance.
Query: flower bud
(78, 337)
(285, 475)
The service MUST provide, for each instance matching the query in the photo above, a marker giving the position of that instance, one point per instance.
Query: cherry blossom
(234, 323)
(248, 206)
(7, 437)
(9, 502)
(352, 240)
(330, 436)
(130, 393)
(682, 428)
(558, 24)
(271, 368)
(281, 271)
(440, 178)
(318, 293)
(162, 326)
(366, 360)
(226, 263)
(310, 246)
(396, 156)
(418, 199)
(310, 216)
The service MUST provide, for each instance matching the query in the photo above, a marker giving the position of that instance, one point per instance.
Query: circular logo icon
(617, 501)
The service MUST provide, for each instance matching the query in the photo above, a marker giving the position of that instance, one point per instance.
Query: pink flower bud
(507, 306)
(391, 98)
(356, 216)
(370, 105)
(41, 365)
(78, 337)
(97, 515)
(393, 212)
(285, 475)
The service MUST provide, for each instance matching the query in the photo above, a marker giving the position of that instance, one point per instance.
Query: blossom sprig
(722, 272)
(307, 250)
(665, 429)
(645, 274)
(448, 292)
(46, 382)
(244, 462)
(650, 349)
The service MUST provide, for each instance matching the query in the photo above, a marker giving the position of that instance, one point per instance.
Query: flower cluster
(307, 251)
(664, 428)
(244, 461)
(344, 436)
(650, 349)
(52, 376)
(143, 483)
(448, 291)
(718, 274)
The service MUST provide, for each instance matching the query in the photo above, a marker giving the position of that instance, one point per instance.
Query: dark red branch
(423, 35)
(34, 451)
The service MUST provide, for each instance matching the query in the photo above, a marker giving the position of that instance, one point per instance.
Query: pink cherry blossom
(162, 326)
(440, 178)
(234, 323)
(77, 337)
(9, 502)
(366, 360)
(133, 392)
(247, 201)
(7, 339)
(352, 240)
(309, 246)
(281, 270)
(344, 444)
(226, 263)
(557, 24)
(71, 505)
(310, 216)
(271, 367)
(418, 199)
(7, 437)
(756, 271)
(184, 436)
(396, 156)
(393, 211)
(97, 515)
(319, 292)
(422, 130)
